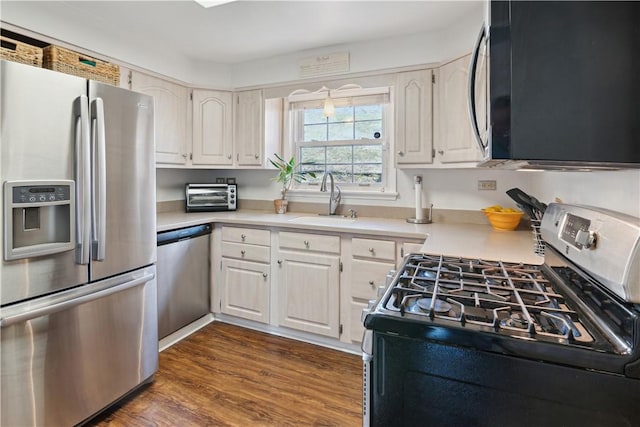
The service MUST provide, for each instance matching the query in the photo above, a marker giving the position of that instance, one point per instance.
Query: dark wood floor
(224, 375)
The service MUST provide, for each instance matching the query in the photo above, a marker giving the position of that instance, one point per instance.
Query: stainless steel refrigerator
(78, 313)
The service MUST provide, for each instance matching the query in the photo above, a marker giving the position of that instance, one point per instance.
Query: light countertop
(464, 240)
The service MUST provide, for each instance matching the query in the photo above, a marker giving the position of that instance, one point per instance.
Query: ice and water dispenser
(39, 218)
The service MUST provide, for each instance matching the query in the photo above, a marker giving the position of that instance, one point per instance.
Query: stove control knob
(381, 290)
(586, 238)
(371, 303)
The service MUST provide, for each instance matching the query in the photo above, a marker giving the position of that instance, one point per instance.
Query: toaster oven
(210, 197)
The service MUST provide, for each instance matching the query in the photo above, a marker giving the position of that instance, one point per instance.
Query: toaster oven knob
(586, 238)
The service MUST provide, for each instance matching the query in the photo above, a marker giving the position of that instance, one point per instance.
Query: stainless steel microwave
(211, 197)
(563, 85)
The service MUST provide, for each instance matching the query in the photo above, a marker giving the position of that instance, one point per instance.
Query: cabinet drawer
(378, 249)
(366, 276)
(251, 236)
(310, 242)
(246, 252)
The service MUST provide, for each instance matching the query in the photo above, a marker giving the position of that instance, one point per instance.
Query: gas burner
(439, 306)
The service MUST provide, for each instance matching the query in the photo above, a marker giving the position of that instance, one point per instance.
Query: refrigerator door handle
(83, 180)
(99, 200)
(72, 302)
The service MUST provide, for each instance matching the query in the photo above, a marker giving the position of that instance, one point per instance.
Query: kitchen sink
(323, 220)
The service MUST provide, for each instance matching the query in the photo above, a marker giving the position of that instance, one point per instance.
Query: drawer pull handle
(371, 250)
(242, 253)
(279, 262)
(243, 237)
(371, 282)
(306, 243)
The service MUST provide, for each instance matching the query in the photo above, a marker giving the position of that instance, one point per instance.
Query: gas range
(491, 296)
(483, 328)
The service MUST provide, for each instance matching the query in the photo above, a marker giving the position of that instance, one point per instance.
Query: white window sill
(311, 194)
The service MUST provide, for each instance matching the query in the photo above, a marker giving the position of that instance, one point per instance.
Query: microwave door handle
(472, 91)
(83, 179)
(100, 180)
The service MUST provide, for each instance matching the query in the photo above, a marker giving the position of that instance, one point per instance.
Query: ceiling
(247, 30)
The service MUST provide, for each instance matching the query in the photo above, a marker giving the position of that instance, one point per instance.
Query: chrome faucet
(334, 196)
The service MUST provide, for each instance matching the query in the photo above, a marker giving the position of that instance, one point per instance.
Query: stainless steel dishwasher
(183, 277)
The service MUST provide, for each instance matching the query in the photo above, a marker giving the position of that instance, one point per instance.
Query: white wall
(422, 48)
(446, 189)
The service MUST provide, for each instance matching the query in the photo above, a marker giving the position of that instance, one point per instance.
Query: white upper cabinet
(454, 141)
(414, 118)
(171, 106)
(212, 128)
(249, 126)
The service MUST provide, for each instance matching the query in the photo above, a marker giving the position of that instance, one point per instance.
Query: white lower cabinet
(309, 283)
(245, 289)
(297, 280)
(245, 273)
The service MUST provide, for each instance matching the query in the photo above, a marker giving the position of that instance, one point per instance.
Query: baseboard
(184, 332)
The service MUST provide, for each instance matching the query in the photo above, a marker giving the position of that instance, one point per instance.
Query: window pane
(317, 169)
(314, 116)
(367, 173)
(368, 129)
(315, 133)
(343, 114)
(368, 112)
(341, 173)
(342, 154)
(367, 154)
(310, 155)
(340, 131)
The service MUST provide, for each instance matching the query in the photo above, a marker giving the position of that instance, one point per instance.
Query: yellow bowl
(506, 221)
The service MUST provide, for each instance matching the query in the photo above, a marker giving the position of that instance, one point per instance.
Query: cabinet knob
(279, 262)
(371, 250)
(306, 243)
(400, 153)
(257, 156)
(229, 157)
(242, 252)
(264, 275)
(441, 152)
(371, 282)
(184, 156)
(242, 236)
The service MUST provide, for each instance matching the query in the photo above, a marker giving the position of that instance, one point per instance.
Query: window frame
(293, 139)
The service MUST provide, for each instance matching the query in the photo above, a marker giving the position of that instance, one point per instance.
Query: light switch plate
(487, 185)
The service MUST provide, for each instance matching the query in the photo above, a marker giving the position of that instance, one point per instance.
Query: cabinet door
(309, 292)
(407, 248)
(171, 104)
(249, 119)
(212, 128)
(454, 137)
(414, 120)
(245, 289)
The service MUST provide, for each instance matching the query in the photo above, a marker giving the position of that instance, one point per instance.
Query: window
(352, 143)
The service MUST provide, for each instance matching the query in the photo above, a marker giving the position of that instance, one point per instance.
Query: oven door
(415, 381)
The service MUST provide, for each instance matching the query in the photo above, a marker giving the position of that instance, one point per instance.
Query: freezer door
(124, 180)
(41, 131)
(68, 356)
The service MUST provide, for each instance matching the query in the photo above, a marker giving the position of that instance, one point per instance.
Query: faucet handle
(353, 213)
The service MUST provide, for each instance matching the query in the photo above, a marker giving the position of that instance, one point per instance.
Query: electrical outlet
(487, 185)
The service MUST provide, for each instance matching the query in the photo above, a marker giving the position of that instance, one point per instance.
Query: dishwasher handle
(172, 236)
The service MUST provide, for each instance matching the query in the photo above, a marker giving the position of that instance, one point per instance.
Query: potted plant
(287, 175)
